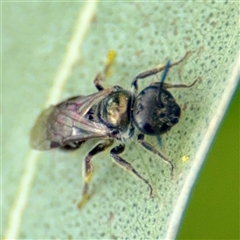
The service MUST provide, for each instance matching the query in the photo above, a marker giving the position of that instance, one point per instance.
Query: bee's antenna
(168, 65)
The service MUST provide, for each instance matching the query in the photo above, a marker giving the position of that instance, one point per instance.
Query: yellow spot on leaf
(185, 158)
(111, 56)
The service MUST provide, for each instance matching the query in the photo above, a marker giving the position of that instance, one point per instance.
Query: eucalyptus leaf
(52, 51)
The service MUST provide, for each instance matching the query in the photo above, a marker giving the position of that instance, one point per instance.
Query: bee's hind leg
(88, 169)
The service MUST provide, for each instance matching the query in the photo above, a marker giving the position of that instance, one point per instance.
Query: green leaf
(52, 51)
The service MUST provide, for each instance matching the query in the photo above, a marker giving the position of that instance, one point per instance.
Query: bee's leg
(88, 169)
(127, 166)
(153, 71)
(152, 149)
(107, 70)
(168, 85)
(96, 82)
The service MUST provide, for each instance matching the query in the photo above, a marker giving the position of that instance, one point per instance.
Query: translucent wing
(66, 122)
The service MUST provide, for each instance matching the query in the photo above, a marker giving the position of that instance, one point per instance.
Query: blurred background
(213, 210)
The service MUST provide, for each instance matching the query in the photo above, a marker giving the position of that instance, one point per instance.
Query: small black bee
(110, 114)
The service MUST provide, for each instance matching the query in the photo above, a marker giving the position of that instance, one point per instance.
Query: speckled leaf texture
(52, 51)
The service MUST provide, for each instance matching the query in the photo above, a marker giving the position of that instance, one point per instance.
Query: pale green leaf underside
(35, 40)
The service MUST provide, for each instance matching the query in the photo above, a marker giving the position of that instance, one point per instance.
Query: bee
(111, 114)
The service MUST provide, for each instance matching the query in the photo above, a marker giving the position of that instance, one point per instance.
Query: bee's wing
(39, 138)
(58, 125)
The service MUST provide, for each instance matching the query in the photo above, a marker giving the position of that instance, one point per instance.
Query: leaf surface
(42, 64)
